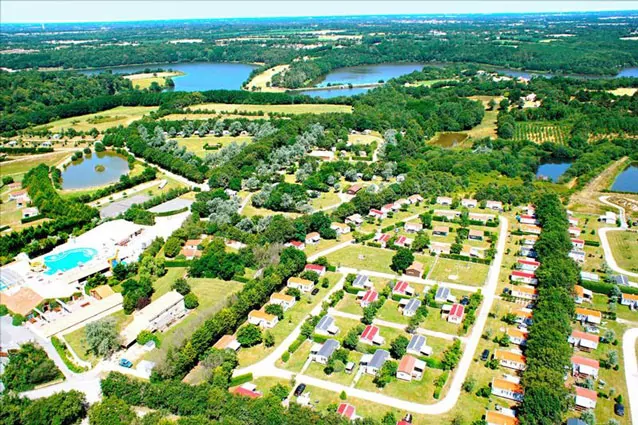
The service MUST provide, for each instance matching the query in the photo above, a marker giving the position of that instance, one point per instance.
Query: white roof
(147, 314)
(82, 315)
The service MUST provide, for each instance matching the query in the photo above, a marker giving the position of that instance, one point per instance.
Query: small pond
(82, 174)
(627, 181)
(552, 171)
(449, 140)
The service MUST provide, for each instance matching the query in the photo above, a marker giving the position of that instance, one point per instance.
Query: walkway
(267, 367)
(629, 341)
(330, 250)
(125, 193)
(621, 210)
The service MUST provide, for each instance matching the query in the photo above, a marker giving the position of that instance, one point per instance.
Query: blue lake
(330, 93)
(627, 72)
(200, 76)
(81, 174)
(627, 181)
(552, 170)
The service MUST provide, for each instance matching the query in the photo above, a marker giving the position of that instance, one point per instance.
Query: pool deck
(119, 238)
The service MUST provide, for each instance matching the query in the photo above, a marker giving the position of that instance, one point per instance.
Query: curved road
(266, 367)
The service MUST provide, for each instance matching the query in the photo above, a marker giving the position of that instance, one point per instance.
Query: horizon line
(240, 18)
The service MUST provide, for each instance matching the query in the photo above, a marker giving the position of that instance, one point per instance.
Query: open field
(122, 115)
(624, 246)
(279, 109)
(211, 116)
(540, 132)
(365, 139)
(429, 83)
(17, 169)
(262, 81)
(448, 270)
(487, 127)
(196, 144)
(144, 80)
(325, 200)
(75, 339)
(370, 258)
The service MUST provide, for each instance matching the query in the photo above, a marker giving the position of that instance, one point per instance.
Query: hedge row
(606, 288)
(241, 379)
(464, 258)
(32, 218)
(25, 150)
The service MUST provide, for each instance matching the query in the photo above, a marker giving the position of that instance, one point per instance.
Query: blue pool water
(68, 259)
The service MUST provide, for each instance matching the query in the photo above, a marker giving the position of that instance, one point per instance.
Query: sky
(21, 11)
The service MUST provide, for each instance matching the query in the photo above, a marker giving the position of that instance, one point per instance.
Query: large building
(156, 316)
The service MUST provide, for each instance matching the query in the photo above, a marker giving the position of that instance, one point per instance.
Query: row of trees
(548, 353)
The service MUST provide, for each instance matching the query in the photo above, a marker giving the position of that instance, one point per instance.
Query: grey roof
(620, 279)
(442, 292)
(416, 343)
(328, 348)
(413, 304)
(360, 280)
(172, 205)
(325, 323)
(378, 358)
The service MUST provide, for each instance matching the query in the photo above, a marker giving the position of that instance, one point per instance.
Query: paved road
(629, 340)
(621, 210)
(393, 325)
(609, 256)
(125, 193)
(267, 366)
(244, 203)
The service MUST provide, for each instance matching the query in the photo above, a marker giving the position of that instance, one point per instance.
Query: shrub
(18, 320)
(181, 285)
(249, 335)
(191, 301)
(146, 336)
(285, 357)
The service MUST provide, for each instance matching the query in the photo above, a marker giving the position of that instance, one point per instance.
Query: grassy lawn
(297, 359)
(250, 211)
(212, 295)
(327, 199)
(487, 127)
(17, 169)
(364, 139)
(448, 270)
(624, 246)
(434, 322)
(261, 81)
(122, 115)
(316, 370)
(196, 144)
(417, 391)
(349, 304)
(292, 318)
(163, 284)
(281, 109)
(326, 243)
(76, 341)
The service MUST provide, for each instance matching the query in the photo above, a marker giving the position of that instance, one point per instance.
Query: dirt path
(586, 200)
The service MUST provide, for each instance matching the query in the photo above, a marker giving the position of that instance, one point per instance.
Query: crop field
(279, 109)
(540, 132)
(196, 144)
(17, 169)
(122, 115)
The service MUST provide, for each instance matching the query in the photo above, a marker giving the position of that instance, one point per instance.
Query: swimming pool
(69, 259)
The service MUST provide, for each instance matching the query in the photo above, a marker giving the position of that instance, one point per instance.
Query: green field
(540, 132)
(446, 270)
(624, 246)
(122, 115)
(196, 144)
(17, 169)
(363, 257)
(266, 109)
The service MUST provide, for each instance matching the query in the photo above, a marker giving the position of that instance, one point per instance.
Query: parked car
(300, 389)
(619, 409)
(315, 291)
(485, 355)
(126, 363)
(407, 418)
(465, 300)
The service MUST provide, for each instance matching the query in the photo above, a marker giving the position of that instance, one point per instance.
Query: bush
(29, 366)
(181, 285)
(241, 379)
(285, 357)
(191, 301)
(18, 320)
(173, 247)
(3, 310)
(146, 336)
